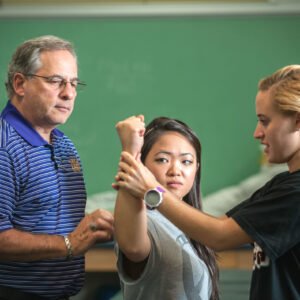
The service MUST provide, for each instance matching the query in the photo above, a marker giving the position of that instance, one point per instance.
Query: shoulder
(284, 182)
(285, 177)
(7, 133)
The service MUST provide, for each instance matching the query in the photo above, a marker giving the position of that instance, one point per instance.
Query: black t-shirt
(271, 216)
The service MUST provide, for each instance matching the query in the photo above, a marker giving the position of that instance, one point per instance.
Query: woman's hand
(131, 133)
(134, 176)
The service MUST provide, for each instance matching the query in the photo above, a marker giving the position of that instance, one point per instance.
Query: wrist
(132, 152)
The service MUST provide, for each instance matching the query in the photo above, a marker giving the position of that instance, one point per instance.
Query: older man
(43, 230)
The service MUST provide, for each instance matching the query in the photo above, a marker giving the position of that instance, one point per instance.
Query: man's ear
(18, 84)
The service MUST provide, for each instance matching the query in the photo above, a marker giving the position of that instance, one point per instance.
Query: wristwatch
(154, 197)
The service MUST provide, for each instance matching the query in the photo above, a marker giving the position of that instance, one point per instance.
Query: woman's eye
(161, 160)
(264, 122)
(187, 162)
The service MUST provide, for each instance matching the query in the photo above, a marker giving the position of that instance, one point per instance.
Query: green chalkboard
(203, 71)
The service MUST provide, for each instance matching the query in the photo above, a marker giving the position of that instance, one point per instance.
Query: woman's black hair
(155, 129)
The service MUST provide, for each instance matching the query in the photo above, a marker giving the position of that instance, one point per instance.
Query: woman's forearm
(131, 227)
(216, 233)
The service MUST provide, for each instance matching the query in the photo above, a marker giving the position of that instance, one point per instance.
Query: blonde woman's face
(278, 132)
(172, 160)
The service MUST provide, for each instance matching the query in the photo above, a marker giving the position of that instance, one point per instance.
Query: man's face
(44, 104)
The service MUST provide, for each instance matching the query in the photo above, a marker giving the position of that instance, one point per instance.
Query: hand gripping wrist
(69, 248)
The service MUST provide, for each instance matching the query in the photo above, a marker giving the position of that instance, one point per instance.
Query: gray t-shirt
(173, 270)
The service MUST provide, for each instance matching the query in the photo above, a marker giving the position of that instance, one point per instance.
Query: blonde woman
(270, 218)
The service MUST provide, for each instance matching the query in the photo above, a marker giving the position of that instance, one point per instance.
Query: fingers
(131, 122)
(128, 158)
(102, 233)
(115, 186)
(141, 117)
(102, 215)
(93, 226)
(124, 168)
(124, 172)
(119, 184)
(121, 179)
(128, 164)
(101, 219)
(101, 224)
(138, 158)
(142, 132)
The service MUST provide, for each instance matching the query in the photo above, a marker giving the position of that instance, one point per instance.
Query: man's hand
(93, 228)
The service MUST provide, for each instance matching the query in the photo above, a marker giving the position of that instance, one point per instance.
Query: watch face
(153, 198)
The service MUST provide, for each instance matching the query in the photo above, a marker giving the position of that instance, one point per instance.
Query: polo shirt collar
(12, 116)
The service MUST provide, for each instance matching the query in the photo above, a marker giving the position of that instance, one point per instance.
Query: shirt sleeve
(7, 191)
(152, 261)
(271, 216)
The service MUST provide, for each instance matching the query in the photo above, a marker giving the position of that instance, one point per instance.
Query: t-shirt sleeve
(7, 190)
(152, 261)
(271, 216)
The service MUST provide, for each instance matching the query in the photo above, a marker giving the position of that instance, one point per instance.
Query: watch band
(160, 189)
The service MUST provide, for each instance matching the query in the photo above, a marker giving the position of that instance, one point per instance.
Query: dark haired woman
(156, 260)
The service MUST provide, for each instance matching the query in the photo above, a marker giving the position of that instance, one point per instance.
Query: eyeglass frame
(62, 83)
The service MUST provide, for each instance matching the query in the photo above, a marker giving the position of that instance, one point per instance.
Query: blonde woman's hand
(134, 177)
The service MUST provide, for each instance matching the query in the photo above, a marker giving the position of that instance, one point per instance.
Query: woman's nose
(258, 133)
(175, 169)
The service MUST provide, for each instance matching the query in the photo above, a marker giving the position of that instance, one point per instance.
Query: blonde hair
(285, 85)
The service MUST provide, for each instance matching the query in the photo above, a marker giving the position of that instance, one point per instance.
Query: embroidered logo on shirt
(260, 259)
(75, 164)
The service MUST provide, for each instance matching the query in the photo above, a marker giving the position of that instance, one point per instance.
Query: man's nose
(68, 91)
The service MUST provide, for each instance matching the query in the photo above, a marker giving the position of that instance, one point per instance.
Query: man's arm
(25, 246)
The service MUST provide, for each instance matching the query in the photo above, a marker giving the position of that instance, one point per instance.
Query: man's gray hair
(26, 59)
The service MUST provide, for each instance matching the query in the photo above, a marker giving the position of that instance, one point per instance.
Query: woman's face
(172, 160)
(278, 132)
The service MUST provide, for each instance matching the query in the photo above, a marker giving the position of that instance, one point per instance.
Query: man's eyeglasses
(59, 83)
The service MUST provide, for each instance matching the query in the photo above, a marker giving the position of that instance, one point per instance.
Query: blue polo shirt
(41, 191)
